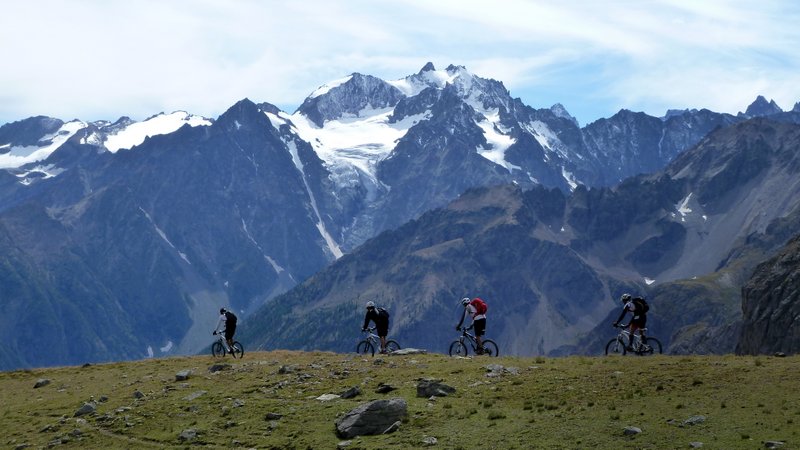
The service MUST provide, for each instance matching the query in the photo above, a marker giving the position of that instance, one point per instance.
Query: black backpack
(641, 305)
(230, 318)
(382, 313)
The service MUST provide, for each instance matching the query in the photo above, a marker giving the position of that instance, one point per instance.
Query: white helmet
(465, 301)
(370, 304)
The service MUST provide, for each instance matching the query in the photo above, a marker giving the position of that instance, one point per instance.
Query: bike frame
(624, 333)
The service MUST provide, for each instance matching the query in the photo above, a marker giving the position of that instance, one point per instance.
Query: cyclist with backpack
(227, 320)
(477, 308)
(638, 308)
(381, 318)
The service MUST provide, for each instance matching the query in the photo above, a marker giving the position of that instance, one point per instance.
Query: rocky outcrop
(771, 305)
(375, 417)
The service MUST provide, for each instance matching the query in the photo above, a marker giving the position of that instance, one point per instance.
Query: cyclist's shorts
(639, 321)
(230, 331)
(480, 327)
(382, 329)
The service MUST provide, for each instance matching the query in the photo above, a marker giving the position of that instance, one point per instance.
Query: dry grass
(570, 403)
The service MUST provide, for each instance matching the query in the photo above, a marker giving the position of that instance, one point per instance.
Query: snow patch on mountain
(18, 156)
(322, 90)
(333, 247)
(164, 236)
(414, 84)
(39, 172)
(137, 132)
(360, 140)
(498, 142)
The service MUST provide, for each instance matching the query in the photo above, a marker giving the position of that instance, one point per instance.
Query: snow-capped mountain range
(180, 214)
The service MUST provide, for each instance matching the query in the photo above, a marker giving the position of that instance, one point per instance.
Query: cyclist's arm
(366, 321)
(463, 316)
(220, 324)
(622, 315)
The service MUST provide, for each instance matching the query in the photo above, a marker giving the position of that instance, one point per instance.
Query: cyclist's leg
(635, 326)
(229, 338)
(382, 330)
(480, 329)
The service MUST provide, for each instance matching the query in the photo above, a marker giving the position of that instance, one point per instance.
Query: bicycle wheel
(217, 349)
(392, 346)
(238, 350)
(615, 347)
(365, 348)
(457, 348)
(490, 348)
(653, 345)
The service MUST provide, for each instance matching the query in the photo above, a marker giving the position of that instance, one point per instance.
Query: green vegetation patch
(274, 400)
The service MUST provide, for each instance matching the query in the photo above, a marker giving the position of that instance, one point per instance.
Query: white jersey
(221, 323)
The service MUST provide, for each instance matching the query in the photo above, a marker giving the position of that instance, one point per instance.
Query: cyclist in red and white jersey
(477, 309)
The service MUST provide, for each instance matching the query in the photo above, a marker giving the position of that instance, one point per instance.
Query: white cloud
(94, 59)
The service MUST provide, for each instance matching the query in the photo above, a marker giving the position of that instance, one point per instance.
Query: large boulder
(375, 417)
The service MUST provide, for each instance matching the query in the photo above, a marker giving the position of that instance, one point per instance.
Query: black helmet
(625, 298)
(222, 310)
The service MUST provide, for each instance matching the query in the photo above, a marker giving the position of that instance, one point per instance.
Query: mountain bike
(618, 345)
(373, 341)
(220, 347)
(459, 346)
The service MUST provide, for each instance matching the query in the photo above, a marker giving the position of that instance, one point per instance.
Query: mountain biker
(381, 318)
(639, 319)
(477, 308)
(227, 320)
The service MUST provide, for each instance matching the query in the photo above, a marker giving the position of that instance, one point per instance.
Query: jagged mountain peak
(427, 68)
(761, 107)
(348, 97)
(560, 111)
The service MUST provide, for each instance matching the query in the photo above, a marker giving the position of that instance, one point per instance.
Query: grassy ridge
(571, 402)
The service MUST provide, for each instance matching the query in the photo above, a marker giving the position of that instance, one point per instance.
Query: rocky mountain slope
(771, 305)
(551, 264)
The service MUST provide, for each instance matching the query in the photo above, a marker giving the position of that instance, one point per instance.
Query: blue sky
(101, 59)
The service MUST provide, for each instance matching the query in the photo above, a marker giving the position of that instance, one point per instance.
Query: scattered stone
(780, 355)
(429, 388)
(76, 433)
(353, 392)
(287, 369)
(429, 441)
(22, 446)
(273, 416)
(694, 420)
(344, 444)
(384, 388)
(238, 403)
(774, 444)
(49, 428)
(138, 394)
(85, 365)
(41, 382)
(87, 408)
(194, 395)
(408, 351)
(219, 367)
(327, 397)
(371, 418)
(631, 431)
(695, 444)
(102, 399)
(188, 435)
(183, 375)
